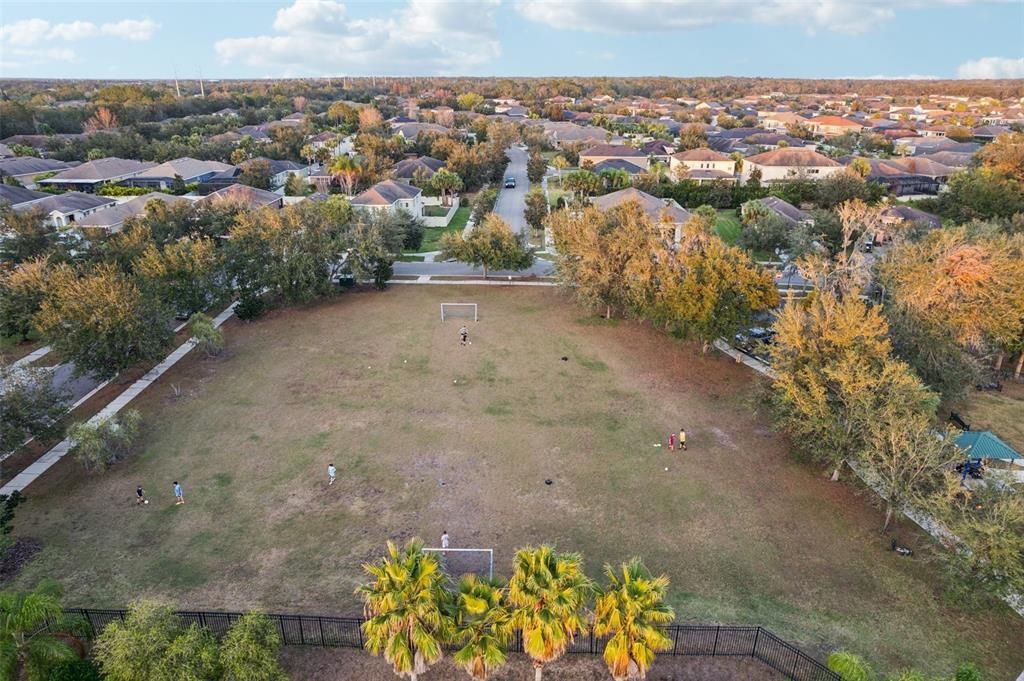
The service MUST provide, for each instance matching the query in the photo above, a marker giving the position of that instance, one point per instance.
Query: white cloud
(642, 16)
(131, 29)
(423, 36)
(992, 67)
(75, 30)
(31, 32)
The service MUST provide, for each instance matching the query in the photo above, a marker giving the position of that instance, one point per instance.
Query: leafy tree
(8, 505)
(971, 285)
(549, 591)
(607, 259)
(1005, 156)
(583, 183)
(766, 233)
(374, 242)
(405, 604)
(124, 248)
(101, 321)
(445, 181)
(370, 119)
(256, 173)
(933, 353)
(483, 203)
(536, 208)
(491, 245)
(26, 236)
(469, 101)
(22, 292)
(186, 274)
(29, 624)
(560, 164)
(191, 656)
(536, 167)
(482, 626)
(30, 405)
(134, 650)
(900, 447)
(631, 611)
(100, 444)
(860, 166)
(103, 119)
(982, 194)
(296, 185)
(207, 336)
(249, 650)
(827, 357)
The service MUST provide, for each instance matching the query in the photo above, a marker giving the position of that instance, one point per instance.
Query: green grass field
(432, 235)
(728, 226)
(430, 436)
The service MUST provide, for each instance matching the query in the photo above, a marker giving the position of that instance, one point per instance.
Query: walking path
(33, 356)
(43, 463)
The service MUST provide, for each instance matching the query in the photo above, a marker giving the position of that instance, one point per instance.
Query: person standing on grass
(682, 439)
(671, 442)
(178, 494)
(140, 496)
(332, 473)
(463, 335)
(444, 539)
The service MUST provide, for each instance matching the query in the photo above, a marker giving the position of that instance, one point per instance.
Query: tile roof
(186, 167)
(656, 208)
(115, 215)
(68, 202)
(784, 209)
(617, 150)
(617, 164)
(795, 158)
(12, 195)
(242, 193)
(701, 154)
(408, 167)
(24, 165)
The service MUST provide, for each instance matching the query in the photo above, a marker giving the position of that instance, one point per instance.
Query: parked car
(751, 340)
(510, 183)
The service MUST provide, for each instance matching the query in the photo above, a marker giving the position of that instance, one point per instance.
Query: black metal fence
(687, 639)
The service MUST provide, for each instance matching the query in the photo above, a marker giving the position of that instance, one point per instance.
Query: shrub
(100, 445)
(249, 651)
(76, 670)
(968, 672)
(208, 337)
(249, 307)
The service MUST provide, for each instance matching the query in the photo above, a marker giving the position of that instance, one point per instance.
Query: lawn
(1001, 412)
(728, 226)
(432, 235)
(430, 436)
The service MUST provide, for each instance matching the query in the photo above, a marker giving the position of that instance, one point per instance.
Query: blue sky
(783, 38)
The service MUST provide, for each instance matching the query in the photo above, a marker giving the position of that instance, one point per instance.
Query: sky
(291, 38)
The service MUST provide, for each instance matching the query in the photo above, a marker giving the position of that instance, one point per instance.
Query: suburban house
(788, 163)
(13, 196)
(333, 142)
(391, 196)
(258, 133)
(899, 180)
(91, 175)
(112, 219)
(661, 211)
(64, 210)
(780, 120)
(423, 167)
(832, 126)
(897, 214)
(246, 196)
(658, 150)
(924, 167)
(410, 131)
(608, 152)
(618, 164)
(702, 165)
(25, 169)
(190, 170)
(565, 132)
(787, 211)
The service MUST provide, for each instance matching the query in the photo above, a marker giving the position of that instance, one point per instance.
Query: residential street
(539, 268)
(512, 202)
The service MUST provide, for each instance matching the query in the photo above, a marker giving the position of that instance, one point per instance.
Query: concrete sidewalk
(43, 463)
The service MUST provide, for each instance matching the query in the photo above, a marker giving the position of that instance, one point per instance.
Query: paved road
(512, 202)
(539, 268)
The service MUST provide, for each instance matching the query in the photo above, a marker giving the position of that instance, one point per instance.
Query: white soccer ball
(455, 381)
(146, 501)
(666, 467)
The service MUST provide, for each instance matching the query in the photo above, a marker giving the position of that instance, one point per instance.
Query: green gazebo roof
(981, 444)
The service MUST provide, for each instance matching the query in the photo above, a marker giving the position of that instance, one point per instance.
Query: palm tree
(483, 626)
(445, 181)
(550, 592)
(632, 612)
(28, 644)
(560, 164)
(405, 609)
(346, 170)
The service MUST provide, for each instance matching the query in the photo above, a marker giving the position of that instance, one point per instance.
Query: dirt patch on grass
(23, 550)
(315, 664)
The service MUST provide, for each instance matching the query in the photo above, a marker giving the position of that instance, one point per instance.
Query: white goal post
(463, 310)
(458, 562)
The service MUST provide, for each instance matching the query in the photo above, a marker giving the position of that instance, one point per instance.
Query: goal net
(458, 311)
(459, 562)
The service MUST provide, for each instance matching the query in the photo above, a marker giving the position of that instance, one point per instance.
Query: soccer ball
(146, 501)
(666, 467)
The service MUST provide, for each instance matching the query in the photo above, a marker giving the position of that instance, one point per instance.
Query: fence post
(359, 628)
(757, 635)
(714, 650)
(675, 643)
(320, 623)
(302, 634)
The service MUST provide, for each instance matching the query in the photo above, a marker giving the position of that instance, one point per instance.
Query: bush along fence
(347, 632)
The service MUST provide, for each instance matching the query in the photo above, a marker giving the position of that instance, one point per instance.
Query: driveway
(512, 202)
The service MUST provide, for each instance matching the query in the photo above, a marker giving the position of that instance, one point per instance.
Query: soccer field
(429, 435)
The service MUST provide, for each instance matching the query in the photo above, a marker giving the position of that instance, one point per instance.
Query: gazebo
(982, 444)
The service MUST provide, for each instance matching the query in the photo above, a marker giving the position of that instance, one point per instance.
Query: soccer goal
(458, 311)
(459, 562)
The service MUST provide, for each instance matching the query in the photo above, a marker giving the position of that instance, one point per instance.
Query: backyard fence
(687, 639)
